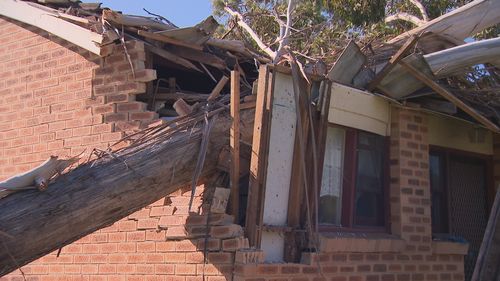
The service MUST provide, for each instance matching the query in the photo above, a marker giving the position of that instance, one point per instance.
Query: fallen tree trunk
(96, 194)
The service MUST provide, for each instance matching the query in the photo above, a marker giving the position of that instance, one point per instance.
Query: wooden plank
(234, 143)
(258, 159)
(292, 247)
(449, 96)
(168, 40)
(199, 56)
(171, 57)
(460, 23)
(410, 43)
(488, 261)
(247, 105)
(218, 88)
(180, 95)
(47, 19)
(347, 65)
(454, 60)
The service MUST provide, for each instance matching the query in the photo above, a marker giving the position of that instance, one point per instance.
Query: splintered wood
(37, 178)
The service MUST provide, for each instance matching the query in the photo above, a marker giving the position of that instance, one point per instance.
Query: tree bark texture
(96, 194)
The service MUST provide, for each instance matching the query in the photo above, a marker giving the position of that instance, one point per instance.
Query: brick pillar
(409, 179)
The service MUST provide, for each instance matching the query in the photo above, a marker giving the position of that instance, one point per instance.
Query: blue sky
(181, 12)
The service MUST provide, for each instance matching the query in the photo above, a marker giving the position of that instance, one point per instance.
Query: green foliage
(322, 27)
(356, 12)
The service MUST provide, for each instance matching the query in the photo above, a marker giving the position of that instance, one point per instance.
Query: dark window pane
(439, 208)
(369, 199)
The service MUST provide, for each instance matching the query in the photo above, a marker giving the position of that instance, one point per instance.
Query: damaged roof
(98, 29)
(437, 66)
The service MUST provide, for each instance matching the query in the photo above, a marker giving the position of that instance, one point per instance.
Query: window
(352, 193)
(439, 205)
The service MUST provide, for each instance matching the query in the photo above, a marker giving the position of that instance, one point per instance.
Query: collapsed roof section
(98, 29)
(432, 66)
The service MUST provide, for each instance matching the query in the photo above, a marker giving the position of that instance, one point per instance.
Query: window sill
(450, 248)
(360, 242)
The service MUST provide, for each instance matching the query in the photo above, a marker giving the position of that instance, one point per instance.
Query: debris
(37, 178)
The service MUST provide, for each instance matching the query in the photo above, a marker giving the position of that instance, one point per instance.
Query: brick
(166, 246)
(144, 75)
(177, 232)
(234, 244)
(226, 231)
(143, 115)
(164, 269)
(131, 107)
(249, 256)
(149, 223)
(209, 244)
(115, 117)
(185, 269)
(136, 236)
(146, 246)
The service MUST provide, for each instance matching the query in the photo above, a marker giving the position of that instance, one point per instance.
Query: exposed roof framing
(49, 20)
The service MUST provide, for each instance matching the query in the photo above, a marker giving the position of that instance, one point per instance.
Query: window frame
(446, 154)
(349, 186)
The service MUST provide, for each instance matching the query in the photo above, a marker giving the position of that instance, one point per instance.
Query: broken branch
(251, 32)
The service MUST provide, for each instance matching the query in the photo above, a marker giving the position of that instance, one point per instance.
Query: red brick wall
(58, 99)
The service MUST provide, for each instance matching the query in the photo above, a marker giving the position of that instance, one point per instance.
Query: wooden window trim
(349, 187)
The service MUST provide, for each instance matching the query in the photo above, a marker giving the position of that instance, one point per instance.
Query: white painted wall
(279, 169)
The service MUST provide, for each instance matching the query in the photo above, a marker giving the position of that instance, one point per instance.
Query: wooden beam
(47, 19)
(488, 260)
(410, 43)
(179, 95)
(453, 60)
(171, 57)
(218, 88)
(258, 158)
(168, 40)
(199, 56)
(234, 142)
(450, 96)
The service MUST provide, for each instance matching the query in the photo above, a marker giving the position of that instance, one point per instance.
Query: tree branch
(251, 32)
(285, 37)
(421, 7)
(406, 17)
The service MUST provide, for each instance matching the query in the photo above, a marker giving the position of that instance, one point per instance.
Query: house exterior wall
(409, 253)
(58, 99)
